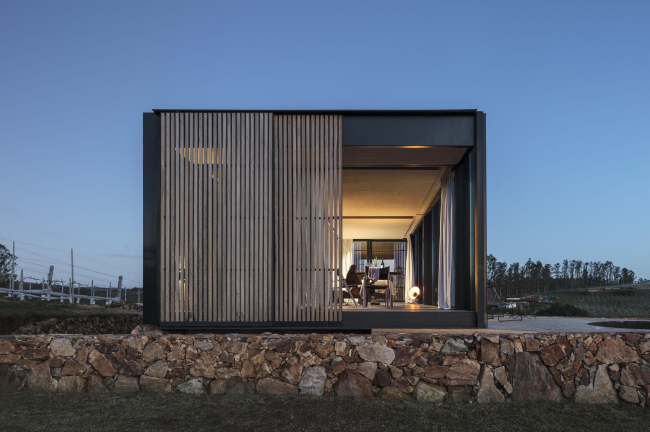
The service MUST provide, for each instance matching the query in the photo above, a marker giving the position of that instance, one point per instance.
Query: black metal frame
(151, 217)
(360, 127)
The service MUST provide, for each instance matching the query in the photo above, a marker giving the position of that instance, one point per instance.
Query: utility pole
(13, 266)
(50, 275)
(72, 271)
(92, 292)
(119, 286)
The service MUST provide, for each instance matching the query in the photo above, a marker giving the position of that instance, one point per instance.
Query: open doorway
(382, 218)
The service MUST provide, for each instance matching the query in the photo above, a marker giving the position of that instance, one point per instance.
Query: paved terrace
(531, 325)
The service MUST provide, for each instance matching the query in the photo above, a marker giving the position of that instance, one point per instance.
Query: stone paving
(530, 325)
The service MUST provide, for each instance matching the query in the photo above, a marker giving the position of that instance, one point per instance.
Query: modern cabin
(331, 220)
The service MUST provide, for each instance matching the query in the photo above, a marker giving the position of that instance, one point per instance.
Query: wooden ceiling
(381, 203)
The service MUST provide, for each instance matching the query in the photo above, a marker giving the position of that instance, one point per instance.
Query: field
(619, 303)
(25, 411)
(15, 313)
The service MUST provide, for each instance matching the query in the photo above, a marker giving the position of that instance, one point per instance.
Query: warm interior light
(202, 155)
(414, 293)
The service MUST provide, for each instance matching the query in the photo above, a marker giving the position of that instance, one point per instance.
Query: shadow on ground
(28, 411)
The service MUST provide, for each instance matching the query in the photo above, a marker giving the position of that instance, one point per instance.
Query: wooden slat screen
(216, 217)
(308, 226)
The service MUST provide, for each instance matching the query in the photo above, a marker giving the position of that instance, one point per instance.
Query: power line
(109, 265)
(79, 254)
(33, 262)
(84, 268)
(51, 260)
(31, 244)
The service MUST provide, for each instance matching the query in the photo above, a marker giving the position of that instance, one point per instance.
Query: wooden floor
(397, 306)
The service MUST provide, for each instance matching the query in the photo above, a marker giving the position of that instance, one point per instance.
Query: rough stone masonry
(585, 368)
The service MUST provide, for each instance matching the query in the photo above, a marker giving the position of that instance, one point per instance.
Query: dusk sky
(565, 86)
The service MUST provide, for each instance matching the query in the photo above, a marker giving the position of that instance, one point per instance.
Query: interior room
(391, 196)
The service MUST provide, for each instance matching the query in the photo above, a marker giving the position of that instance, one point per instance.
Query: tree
(7, 259)
(627, 276)
(536, 277)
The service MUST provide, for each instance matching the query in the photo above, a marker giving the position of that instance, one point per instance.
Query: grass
(15, 313)
(26, 411)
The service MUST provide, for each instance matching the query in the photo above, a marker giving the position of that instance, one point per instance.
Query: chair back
(492, 297)
(383, 273)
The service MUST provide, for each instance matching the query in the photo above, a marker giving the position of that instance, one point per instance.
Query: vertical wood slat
(198, 266)
(209, 262)
(191, 238)
(307, 237)
(216, 217)
(219, 230)
(229, 246)
(176, 217)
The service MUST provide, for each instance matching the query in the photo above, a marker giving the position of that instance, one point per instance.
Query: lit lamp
(414, 294)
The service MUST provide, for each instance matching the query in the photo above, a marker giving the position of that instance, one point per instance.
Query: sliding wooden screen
(216, 217)
(307, 217)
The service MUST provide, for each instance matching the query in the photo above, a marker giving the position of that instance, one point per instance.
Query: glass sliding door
(389, 253)
(425, 243)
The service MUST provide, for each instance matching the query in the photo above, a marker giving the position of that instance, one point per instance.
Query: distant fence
(608, 287)
(79, 295)
(607, 304)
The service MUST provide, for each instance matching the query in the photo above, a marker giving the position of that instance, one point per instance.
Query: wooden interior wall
(308, 223)
(216, 210)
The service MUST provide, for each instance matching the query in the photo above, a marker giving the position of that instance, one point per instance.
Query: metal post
(72, 272)
(20, 287)
(119, 287)
(92, 292)
(13, 266)
(50, 275)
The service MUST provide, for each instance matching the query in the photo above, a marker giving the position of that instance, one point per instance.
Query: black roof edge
(322, 112)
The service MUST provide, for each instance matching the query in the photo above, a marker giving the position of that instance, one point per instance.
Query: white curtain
(408, 272)
(446, 288)
(348, 259)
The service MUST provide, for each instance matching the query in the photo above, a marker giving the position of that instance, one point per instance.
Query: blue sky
(565, 86)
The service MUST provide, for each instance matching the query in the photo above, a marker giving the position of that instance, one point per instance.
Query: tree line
(6, 262)
(535, 277)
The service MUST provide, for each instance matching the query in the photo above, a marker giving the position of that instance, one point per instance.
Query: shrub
(563, 309)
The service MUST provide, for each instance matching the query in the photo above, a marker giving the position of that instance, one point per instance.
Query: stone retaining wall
(590, 368)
